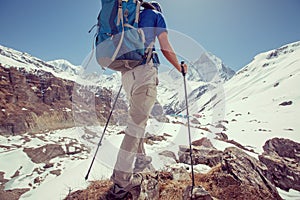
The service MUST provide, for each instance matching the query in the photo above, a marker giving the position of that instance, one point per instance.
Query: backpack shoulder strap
(119, 19)
(120, 13)
(137, 12)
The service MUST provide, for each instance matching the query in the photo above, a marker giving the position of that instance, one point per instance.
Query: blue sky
(233, 30)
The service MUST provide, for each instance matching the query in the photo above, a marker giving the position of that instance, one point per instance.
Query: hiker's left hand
(183, 68)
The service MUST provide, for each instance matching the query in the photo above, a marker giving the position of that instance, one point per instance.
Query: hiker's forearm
(172, 58)
(168, 50)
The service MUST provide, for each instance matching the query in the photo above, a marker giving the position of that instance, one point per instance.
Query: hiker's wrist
(178, 67)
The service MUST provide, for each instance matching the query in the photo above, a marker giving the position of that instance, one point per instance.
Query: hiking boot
(141, 163)
(131, 189)
(116, 193)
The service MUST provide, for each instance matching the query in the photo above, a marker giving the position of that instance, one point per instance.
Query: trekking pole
(100, 141)
(188, 120)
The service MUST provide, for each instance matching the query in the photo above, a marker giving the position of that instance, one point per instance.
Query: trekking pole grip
(182, 68)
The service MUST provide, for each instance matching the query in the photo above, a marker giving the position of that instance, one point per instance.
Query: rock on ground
(282, 158)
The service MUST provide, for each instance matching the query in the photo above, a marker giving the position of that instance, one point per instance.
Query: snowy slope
(248, 106)
(74, 169)
(251, 102)
(204, 74)
(87, 74)
(270, 80)
(13, 58)
(260, 102)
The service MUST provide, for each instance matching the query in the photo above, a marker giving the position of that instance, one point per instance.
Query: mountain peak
(210, 68)
(61, 65)
(266, 60)
(60, 68)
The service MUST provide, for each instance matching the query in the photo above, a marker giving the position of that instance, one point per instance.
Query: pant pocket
(151, 92)
(141, 104)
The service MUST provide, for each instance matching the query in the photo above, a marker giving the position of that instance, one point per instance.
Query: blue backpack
(119, 41)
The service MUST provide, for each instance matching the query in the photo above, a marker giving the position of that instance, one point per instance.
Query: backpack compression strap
(149, 49)
(121, 20)
(137, 12)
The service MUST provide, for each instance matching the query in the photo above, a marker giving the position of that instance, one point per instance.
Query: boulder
(196, 193)
(150, 187)
(179, 173)
(282, 158)
(205, 142)
(246, 171)
(201, 155)
(169, 154)
(44, 153)
(152, 139)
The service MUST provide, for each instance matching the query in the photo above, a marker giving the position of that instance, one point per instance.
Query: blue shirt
(153, 24)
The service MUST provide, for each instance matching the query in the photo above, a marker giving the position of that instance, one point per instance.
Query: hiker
(140, 85)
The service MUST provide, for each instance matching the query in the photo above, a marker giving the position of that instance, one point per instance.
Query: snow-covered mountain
(64, 66)
(59, 68)
(258, 103)
(88, 74)
(203, 74)
(209, 68)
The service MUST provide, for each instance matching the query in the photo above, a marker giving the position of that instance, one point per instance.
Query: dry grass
(219, 184)
(96, 190)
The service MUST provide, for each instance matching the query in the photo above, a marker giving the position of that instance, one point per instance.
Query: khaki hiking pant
(140, 87)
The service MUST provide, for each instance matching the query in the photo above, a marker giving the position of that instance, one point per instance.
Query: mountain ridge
(207, 69)
(247, 112)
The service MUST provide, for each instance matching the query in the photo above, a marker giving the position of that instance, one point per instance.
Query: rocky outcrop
(38, 101)
(235, 174)
(223, 137)
(245, 171)
(203, 153)
(282, 158)
(13, 194)
(169, 154)
(45, 153)
(238, 176)
(153, 139)
(205, 142)
(150, 187)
